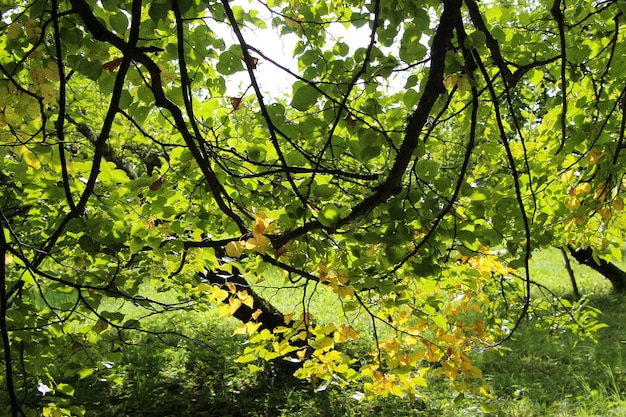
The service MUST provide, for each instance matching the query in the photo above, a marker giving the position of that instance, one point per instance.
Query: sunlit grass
(547, 267)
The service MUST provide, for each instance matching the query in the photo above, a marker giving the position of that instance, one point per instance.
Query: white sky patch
(272, 80)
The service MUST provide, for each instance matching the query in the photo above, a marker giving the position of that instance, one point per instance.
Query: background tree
(417, 159)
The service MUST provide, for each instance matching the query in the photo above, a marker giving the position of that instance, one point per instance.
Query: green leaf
(65, 389)
(329, 215)
(475, 39)
(230, 62)
(304, 96)
(158, 10)
(119, 22)
(257, 153)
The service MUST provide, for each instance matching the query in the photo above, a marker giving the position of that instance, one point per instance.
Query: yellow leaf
(463, 83)
(31, 159)
(484, 390)
(14, 30)
(256, 314)
(282, 348)
(324, 343)
(241, 329)
(345, 333)
(568, 176)
(295, 21)
(223, 310)
(569, 223)
(248, 301)
(252, 368)
(260, 225)
(450, 80)
(233, 305)
(580, 220)
(582, 189)
(601, 191)
(345, 292)
(218, 294)
(231, 287)
(329, 328)
(38, 75)
(300, 336)
(606, 213)
(288, 318)
(204, 287)
(258, 243)
(48, 93)
(594, 156)
(235, 249)
(252, 327)
(572, 203)
(449, 370)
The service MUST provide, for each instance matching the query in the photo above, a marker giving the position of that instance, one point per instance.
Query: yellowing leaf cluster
(259, 242)
(336, 281)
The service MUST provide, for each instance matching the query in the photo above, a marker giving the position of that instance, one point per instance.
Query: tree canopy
(400, 158)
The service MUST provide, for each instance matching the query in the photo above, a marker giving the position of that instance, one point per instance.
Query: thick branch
(607, 269)
(4, 332)
(138, 54)
(270, 317)
(570, 273)
(417, 120)
(107, 151)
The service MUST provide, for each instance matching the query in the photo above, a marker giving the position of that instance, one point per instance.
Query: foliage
(407, 173)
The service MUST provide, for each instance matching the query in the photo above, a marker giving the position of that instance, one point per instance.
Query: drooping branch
(100, 146)
(62, 107)
(515, 174)
(491, 42)
(257, 90)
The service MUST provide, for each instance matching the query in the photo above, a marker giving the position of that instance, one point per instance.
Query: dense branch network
(372, 190)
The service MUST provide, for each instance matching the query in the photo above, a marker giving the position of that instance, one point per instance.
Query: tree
(419, 157)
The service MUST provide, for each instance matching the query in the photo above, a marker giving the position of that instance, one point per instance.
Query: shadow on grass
(186, 380)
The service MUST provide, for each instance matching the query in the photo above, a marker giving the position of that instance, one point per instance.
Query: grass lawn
(538, 373)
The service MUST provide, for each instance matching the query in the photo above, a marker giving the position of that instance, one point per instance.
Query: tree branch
(558, 17)
(4, 332)
(107, 151)
(417, 120)
(138, 54)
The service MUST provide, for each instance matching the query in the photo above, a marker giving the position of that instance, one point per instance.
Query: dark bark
(270, 317)
(570, 272)
(609, 270)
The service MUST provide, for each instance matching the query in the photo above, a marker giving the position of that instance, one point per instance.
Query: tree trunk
(570, 272)
(609, 270)
(270, 317)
